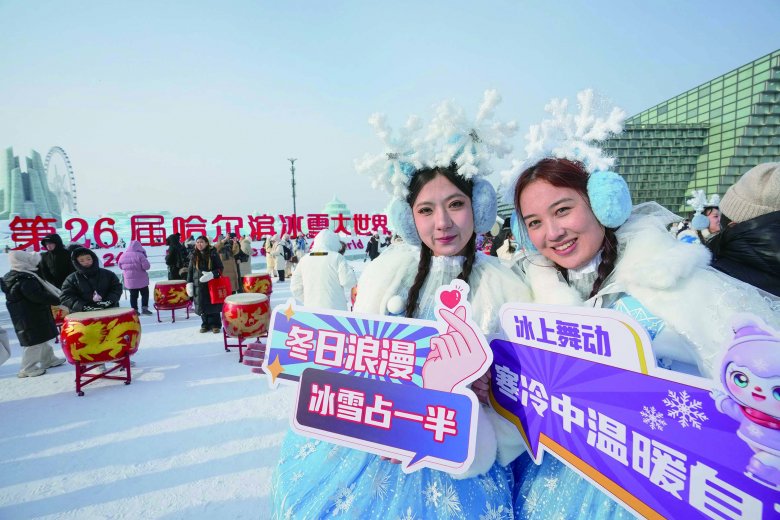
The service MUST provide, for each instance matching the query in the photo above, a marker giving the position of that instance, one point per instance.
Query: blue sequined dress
(315, 479)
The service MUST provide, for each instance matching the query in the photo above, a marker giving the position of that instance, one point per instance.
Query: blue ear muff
(402, 220)
(609, 198)
(485, 206)
(520, 231)
(700, 222)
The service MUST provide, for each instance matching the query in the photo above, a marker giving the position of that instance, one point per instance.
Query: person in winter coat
(277, 253)
(29, 299)
(55, 263)
(373, 246)
(175, 257)
(286, 242)
(748, 247)
(205, 265)
(90, 288)
(323, 275)
(134, 266)
(244, 258)
(270, 259)
(299, 245)
(228, 250)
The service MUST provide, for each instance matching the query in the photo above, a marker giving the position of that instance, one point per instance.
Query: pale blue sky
(195, 106)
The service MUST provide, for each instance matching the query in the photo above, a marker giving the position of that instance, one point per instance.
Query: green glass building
(705, 138)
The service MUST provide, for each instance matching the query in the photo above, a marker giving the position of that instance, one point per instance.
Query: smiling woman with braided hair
(403, 281)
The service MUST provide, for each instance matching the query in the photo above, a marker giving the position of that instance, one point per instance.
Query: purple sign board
(391, 386)
(659, 442)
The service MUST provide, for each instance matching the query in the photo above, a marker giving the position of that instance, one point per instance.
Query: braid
(608, 260)
(422, 273)
(471, 257)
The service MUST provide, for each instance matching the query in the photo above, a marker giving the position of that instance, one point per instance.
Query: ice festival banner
(582, 385)
(391, 386)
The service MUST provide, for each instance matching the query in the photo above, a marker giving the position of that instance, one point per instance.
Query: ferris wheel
(63, 185)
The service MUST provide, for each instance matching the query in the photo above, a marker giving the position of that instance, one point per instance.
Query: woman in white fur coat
(446, 210)
(637, 268)
(323, 275)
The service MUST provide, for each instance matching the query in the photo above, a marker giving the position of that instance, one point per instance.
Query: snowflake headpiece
(699, 203)
(452, 139)
(576, 137)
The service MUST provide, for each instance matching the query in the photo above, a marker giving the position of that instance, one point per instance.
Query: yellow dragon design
(98, 338)
(175, 296)
(259, 286)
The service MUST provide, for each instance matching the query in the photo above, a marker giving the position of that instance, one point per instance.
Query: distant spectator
(121, 244)
(29, 299)
(748, 246)
(299, 246)
(270, 259)
(56, 263)
(343, 248)
(205, 265)
(245, 257)
(7, 249)
(323, 275)
(228, 249)
(372, 249)
(135, 267)
(277, 252)
(175, 257)
(387, 241)
(288, 255)
(91, 287)
(5, 346)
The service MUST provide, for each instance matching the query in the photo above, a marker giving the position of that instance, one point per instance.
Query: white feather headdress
(569, 136)
(699, 201)
(451, 138)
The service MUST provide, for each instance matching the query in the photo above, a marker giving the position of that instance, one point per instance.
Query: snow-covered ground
(196, 434)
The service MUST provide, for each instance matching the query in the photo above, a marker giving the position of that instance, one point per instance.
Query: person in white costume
(588, 246)
(441, 202)
(323, 275)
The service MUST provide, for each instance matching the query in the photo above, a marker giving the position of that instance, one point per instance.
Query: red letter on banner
(232, 224)
(148, 229)
(260, 226)
(291, 225)
(316, 222)
(30, 231)
(362, 223)
(187, 228)
(380, 221)
(341, 221)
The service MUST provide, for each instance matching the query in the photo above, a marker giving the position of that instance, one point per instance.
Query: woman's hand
(481, 387)
(455, 355)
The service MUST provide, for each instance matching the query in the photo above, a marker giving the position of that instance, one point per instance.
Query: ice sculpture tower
(26, 194)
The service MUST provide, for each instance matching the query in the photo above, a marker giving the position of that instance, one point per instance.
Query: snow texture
(569, 136)
(688, 413)
(196, 435)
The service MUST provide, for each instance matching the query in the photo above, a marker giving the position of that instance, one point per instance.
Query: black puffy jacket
(79, 288)
(29, 305)
(750, 251)
(175, 257)
(200, 294)
(55, 265)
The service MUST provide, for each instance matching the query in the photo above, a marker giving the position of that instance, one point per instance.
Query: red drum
(59, 314)
(100, 336)
(246, 315)
(171, 293)
(258, 283)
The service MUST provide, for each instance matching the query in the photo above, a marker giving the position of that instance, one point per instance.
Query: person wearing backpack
(280, 257)
(29, 299)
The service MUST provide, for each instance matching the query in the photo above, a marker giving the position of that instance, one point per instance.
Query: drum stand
(173, 309)
(83, 371)
(240, 345)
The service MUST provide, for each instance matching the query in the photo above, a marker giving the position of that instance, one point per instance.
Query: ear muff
(609, 197)
(485, 206)
(700, 222)
(402, 220)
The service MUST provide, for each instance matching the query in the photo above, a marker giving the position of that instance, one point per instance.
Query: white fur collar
(653, 259)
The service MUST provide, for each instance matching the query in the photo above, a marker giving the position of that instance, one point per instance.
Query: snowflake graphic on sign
(653, 418)
(687, 413)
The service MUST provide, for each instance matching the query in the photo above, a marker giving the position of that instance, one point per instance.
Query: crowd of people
(575, 239)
